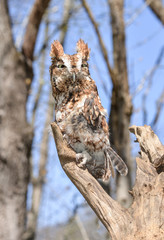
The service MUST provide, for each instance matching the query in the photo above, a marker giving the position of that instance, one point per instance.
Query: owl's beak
(74, 76)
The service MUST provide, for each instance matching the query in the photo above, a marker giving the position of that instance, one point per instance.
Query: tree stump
(144, 219)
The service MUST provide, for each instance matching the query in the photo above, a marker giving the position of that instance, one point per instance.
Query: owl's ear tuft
(83, 49)
(56, 50)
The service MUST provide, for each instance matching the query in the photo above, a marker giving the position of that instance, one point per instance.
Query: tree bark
(121, 105)
(15, 134)
(144, 219)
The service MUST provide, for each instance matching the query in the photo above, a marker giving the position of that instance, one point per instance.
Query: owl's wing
(94, 113)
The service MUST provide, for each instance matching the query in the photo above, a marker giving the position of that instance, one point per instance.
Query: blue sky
(144, 40)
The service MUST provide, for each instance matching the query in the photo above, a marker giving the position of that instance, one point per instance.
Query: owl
(79, 113)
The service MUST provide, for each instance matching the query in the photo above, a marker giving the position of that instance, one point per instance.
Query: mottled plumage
(79, 113)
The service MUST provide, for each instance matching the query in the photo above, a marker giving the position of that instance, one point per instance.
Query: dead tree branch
(157, 8)
(152, 150)
(144, 219)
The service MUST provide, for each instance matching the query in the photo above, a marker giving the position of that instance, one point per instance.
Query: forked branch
(111, 214)
(144, 218)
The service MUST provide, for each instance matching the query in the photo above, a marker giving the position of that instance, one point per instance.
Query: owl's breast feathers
(84, 100)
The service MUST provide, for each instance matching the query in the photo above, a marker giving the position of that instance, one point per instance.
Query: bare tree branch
(146, 76)
(63, 26)
(157, 8)
(150, 77)
(41, 81)
(147, 39)
(36, 103)
(33, 26)
(102, 45)
(159, 106)
(67, 14)
(138, 12)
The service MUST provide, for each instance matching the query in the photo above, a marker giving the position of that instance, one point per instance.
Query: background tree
(16, 135)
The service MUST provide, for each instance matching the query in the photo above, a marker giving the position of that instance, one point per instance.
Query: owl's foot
(82, 159)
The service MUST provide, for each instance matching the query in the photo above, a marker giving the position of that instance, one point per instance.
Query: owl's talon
(82, 159)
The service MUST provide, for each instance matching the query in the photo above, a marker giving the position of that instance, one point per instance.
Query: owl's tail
(117, 162)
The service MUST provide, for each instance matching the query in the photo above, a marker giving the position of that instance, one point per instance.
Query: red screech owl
(79, 113)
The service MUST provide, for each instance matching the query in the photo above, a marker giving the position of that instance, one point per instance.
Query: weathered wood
(145, 217)
(151, 148)
(148, 205)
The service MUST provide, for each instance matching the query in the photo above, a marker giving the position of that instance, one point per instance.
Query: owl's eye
(61, 66)
(84, 65)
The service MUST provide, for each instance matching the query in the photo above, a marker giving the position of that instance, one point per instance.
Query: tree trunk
(15, 134)
(145, 217)
(121, 105)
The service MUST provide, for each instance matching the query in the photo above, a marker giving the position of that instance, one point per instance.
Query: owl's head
(68, 69)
